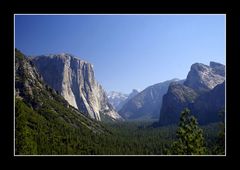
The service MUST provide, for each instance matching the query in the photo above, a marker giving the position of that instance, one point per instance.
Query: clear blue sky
(127, 51)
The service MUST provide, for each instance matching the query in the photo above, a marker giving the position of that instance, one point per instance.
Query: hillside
(45, 122)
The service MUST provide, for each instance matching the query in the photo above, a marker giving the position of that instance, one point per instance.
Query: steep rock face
(203, 78)
(42, 115)
(43, 100)
(146, 104)
(218, 68)
(177, 98)
(207, 107)
(206, 83)
(26, 77)
(74, 80)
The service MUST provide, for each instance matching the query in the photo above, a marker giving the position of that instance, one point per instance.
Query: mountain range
(203, 91)
(147, 103)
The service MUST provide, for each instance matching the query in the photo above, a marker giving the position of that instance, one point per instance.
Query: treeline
(46, 134)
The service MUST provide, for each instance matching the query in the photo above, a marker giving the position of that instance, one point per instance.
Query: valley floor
(146, 138)
(35, 137)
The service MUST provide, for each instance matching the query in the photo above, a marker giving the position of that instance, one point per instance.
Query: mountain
(206, 108)
(202, 92)
(218, 68)
(74, 79)
(132, 94)
(175, 100)
(146, 104)
(118, 99)
(45, 122)
(203, 78)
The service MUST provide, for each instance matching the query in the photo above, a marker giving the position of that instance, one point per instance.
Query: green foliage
(47, 133)
(219, 148)
(19, 55)
(190, 140)
(25, 117)
(139, 138)
(219, 142)
(45, 123)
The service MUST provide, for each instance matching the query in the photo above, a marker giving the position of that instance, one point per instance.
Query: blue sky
(127, 51)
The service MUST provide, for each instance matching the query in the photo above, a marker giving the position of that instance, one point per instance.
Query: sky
(127, 51)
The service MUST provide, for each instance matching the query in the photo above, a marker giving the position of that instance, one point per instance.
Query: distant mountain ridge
(118, 99)
(147, 103)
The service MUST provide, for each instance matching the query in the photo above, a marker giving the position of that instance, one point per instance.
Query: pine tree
(190, 140)
(219, 148)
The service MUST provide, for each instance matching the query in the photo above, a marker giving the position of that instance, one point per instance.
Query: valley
(69, 113)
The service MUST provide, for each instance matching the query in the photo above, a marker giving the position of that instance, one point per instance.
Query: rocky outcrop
(40, 113)
(207, 107)
(218, 68)
(203, 78)
(146, 104)
(177, 98)
(203, 93)
(27, 78)
(74, 79)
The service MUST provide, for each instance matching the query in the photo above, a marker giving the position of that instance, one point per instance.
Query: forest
(48, 134)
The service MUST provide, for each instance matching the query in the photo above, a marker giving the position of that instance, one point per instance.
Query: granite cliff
(203, 92)
(74, 79)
